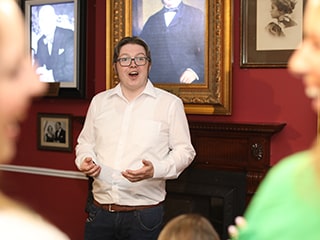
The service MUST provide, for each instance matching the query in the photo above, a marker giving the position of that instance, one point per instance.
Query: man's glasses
(126, 61)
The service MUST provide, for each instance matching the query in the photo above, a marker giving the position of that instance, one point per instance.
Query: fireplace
(231, 161)
(217, 195)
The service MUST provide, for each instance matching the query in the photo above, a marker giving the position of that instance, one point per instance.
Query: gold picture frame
(212, 97)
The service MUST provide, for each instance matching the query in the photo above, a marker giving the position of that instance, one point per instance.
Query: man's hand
(90, 168)
(187, 77)
(140, 174)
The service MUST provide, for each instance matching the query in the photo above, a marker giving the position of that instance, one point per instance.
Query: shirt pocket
(146, 133)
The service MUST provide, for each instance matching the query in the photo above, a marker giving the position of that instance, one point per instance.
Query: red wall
(259, 95)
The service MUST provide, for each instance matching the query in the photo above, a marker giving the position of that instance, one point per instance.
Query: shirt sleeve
(181, 152)
(86, 140)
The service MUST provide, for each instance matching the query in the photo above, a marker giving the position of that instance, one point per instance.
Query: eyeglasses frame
(133, 59)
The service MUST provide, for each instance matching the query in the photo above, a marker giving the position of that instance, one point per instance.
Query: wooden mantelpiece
(237, 147)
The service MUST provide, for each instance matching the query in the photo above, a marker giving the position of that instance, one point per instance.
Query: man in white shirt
(135, 137)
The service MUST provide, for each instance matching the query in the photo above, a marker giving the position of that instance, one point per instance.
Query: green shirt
(287, 203)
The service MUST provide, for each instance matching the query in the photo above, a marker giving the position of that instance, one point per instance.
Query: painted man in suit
(175, 35)
(55, 51)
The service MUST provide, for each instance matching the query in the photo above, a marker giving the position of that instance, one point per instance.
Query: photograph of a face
(57, 43)
(280, 27)
(52, 41)
(271, 31)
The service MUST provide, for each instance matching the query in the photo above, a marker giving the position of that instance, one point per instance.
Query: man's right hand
(90, 168)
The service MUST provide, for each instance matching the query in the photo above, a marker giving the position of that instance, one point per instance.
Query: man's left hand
(140, 174)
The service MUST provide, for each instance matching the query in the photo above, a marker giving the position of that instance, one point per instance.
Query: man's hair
(130, 40)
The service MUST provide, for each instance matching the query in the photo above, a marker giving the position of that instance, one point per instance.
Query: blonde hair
(188, 227)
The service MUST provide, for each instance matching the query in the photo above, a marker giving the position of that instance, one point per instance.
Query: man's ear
(115, 68)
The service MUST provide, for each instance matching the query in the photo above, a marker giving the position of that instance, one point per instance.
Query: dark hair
(285, 6)
(131, 40)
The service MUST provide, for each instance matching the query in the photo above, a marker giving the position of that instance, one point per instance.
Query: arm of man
(85, 157)
(89, 167)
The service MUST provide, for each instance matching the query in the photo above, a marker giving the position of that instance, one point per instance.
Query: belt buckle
(110, 209)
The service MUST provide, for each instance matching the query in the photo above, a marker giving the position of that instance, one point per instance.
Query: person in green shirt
(287, 203)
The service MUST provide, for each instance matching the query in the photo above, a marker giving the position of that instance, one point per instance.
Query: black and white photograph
(169, 27)
(271, 30)
(279, 24)
(55, 44)
(52, 41)
(54, 132)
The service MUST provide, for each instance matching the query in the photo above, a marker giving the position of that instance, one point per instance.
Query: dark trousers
(143, 224)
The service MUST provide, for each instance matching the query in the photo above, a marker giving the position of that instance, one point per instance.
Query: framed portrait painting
(190, 47)
(270, 35)
(54, 132)
(56, 36)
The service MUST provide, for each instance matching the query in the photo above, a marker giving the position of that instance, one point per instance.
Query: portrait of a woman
(281, 11)
(50, 135)
(278, 24)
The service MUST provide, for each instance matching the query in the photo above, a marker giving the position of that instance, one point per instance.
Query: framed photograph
(56, 35)
(269, 35)
(209, 92)
(54, 132)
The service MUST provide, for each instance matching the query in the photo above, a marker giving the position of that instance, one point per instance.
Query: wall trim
(43, 171)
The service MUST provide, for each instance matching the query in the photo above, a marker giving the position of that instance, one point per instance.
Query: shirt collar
(148, 90)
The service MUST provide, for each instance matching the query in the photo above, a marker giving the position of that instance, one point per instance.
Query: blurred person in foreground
(286, 205)
(134, 138)
(189, 226)
(18, 84)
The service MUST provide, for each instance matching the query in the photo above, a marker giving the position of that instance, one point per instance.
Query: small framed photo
(54, 132)
(56, 39)
(271, 31)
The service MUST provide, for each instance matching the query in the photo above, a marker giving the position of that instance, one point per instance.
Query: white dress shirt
(118, 135)
(168, 17)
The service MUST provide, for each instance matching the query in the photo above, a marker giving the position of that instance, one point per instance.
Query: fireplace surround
(231, 161)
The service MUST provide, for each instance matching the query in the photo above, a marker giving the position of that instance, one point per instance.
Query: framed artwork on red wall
(212, 93)
(270, 32)
(56, 37)
(54, 132)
